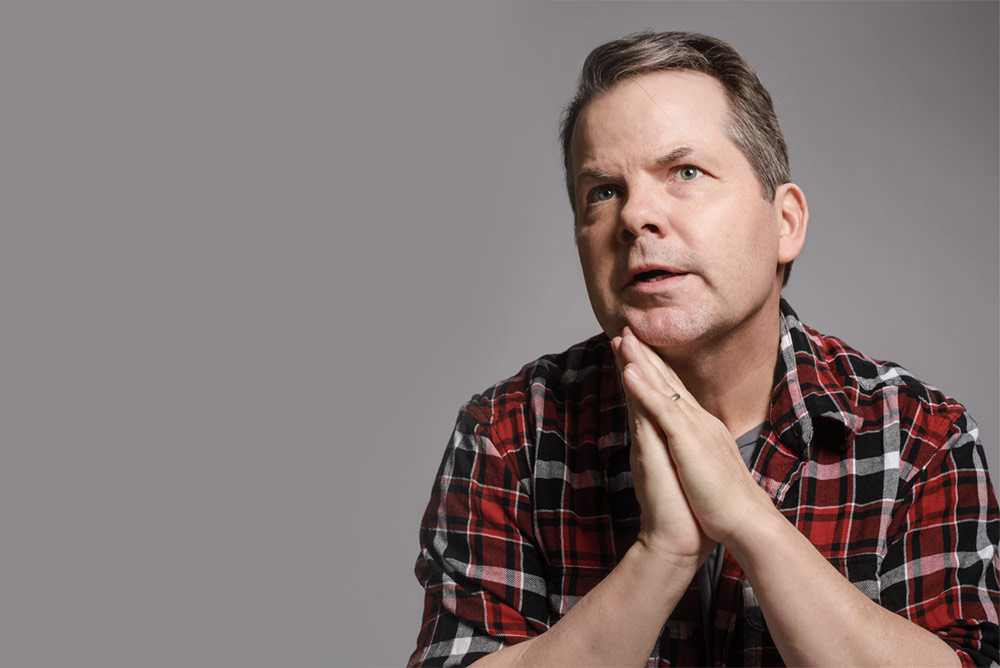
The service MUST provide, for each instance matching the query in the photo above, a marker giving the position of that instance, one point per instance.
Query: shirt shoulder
(869, 376)
(886, 396)
(563, 409)
(553, 382)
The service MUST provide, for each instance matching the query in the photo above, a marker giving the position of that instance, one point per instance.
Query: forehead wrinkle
(656, 103)
(597, 172)
(725, 120)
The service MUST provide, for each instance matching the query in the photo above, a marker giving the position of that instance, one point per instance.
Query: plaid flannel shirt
(534, 504)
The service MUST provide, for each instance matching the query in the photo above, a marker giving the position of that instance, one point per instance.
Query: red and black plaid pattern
(534, 505)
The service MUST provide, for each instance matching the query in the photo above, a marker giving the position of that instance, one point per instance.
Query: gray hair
(753, 125)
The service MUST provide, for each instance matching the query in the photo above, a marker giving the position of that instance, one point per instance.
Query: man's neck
(733, 379)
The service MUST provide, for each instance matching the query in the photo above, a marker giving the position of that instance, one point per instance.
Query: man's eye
(603, 193)
(688, 173)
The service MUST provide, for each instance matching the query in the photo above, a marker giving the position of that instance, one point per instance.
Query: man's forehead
(667, 98)
(653, 115)
(694, 90)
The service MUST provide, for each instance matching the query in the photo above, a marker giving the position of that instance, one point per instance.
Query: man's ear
(793, 212)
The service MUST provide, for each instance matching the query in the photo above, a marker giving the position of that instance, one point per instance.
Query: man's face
(675, 236)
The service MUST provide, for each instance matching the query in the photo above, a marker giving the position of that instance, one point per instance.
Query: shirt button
(694, 639)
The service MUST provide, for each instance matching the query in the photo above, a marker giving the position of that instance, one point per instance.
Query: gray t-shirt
(710, 572)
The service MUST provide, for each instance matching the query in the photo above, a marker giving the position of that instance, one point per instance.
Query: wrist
(660, 556)
(756, 536)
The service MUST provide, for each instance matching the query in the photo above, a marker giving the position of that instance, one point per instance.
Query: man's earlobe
(794, 219)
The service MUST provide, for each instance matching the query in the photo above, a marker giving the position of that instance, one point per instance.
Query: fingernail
(635, 371)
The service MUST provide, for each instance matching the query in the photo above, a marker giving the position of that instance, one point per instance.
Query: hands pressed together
(691, 483)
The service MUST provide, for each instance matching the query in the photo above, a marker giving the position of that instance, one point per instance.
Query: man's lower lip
(656, 286)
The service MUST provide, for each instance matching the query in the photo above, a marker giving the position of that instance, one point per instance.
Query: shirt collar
(808, 405)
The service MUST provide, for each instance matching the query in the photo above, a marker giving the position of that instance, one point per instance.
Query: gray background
(255, 256)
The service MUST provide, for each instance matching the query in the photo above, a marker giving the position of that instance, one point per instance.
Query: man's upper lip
(643, 268)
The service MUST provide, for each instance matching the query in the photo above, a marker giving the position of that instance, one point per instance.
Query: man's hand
(703, 454)
(668, 525)
(802, 596)
(619, 620)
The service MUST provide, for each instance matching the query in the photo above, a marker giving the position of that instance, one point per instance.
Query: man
(709, 480)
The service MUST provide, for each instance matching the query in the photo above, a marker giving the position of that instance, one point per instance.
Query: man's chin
(664, 330)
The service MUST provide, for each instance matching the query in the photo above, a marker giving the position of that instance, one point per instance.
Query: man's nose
(645, 211)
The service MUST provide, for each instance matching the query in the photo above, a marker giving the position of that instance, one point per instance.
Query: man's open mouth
(653, 276)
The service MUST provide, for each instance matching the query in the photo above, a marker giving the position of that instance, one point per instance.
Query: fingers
(647, 437)
(648, 393)
(655, 370)
(634, 350)
(658, 372)
(669, 414)
(646, 434)
(649, 354)
(616, 344)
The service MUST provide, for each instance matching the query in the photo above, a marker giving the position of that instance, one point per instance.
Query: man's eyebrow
(594, 174)
(674, 156)
(597, 174)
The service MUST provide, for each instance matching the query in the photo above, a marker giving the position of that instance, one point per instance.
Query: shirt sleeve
(941, 566)
(479, 564)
